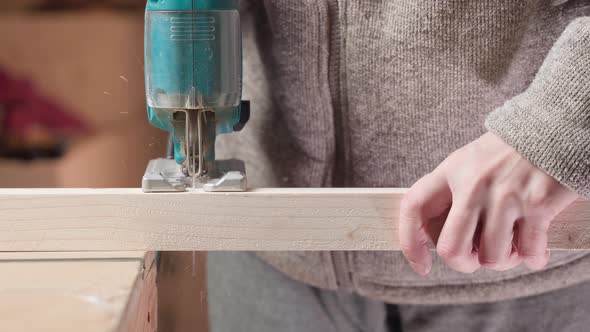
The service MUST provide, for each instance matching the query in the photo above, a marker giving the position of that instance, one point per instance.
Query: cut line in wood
(260, 219)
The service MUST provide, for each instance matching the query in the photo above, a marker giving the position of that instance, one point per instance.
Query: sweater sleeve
(549, 123)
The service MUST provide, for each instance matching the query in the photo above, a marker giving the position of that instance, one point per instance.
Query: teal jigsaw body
(193, 61)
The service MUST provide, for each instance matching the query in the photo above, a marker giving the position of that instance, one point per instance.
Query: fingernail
(420, 268)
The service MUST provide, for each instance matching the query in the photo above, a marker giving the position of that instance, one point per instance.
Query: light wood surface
(93, 292)
(261, 219)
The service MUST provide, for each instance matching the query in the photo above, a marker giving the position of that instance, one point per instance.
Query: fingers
(532, 243)
(498, 217)
(429, 197)
(500, 209)
(546, 199)
(496, 249)
(455, 244)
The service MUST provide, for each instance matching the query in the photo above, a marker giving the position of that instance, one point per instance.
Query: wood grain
(261, 219)
(68, 291)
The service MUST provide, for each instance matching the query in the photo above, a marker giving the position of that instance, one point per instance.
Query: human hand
(494, 207)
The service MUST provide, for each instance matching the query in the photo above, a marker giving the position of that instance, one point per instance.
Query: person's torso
(376, 94)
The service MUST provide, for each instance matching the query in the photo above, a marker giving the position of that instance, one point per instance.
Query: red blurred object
(35, 5)
(24, 107)
(64, 4)
(30, 121)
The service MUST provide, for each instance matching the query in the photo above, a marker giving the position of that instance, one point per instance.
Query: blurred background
(72, 114)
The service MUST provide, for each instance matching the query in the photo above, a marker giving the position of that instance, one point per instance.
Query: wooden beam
(261, 219)
(77, 291)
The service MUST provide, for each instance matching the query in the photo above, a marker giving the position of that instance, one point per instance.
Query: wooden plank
(68, 293)
(261, 219)
(71, 255)
(141, 313)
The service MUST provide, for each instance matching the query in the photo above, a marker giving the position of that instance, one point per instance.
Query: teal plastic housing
(193, 60)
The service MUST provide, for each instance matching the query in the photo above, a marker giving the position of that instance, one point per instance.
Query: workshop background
(72, 114)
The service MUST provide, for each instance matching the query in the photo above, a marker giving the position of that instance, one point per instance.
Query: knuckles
(494, 264)
(456, 258)
(448, 251)
(536, 262)
(539, 205)
(497, 185)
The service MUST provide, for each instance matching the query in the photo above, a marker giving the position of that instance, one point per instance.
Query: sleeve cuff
(549, 123)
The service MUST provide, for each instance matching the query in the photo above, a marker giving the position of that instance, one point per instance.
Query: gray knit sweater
(372, 93)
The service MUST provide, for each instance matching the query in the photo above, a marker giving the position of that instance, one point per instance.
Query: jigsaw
(193, 81)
